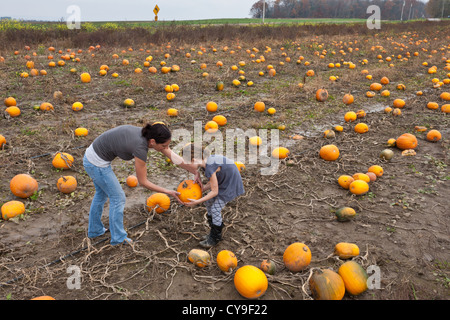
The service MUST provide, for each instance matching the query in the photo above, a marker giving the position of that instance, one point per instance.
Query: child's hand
(192, 203)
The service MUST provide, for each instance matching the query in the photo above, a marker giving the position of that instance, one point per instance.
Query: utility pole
(443, 4)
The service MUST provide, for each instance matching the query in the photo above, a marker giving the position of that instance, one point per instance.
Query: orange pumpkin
(259, 106)
(432, 105)
(348, 99)
(297, 257)
(321, 95)
(226, 260)
(434, 135)
(399, 103)
(2, 141)
(280, 153)
(326, 285)
(132, 181)
(189, 190)
(62, 160)
(23, 185)
(250, 282)
(46, 106)
(220, 120)
(329, 152)
(354, 277)
(10, 102)
(85, 77)
(345, 214)
(359, 187)
(158, 201)
(377, 170)
(200, 258)
(13, 111)
(81, 132)
(345, 180)
(350, 116)
(376, 86)
(406, 141)
(12, 209)
(67, 184)
(346, 250)
(211, 106)
(44, 298)
(361, 128)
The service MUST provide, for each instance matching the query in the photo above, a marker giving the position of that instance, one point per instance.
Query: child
(225, 183)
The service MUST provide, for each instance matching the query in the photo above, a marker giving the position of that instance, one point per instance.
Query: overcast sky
(126, 10)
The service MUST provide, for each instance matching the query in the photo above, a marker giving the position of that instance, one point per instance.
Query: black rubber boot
(210, 223)
(214, 237)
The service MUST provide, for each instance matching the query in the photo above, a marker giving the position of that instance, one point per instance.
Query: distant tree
(438, 8)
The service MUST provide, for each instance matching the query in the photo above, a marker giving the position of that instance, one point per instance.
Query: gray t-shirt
(125, 142)
(228, 178)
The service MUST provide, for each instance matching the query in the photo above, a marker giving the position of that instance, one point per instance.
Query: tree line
(348, 9)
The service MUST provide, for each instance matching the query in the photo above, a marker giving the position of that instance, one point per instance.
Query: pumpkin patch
(352, 125)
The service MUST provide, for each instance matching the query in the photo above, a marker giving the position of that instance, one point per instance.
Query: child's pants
(214, 207)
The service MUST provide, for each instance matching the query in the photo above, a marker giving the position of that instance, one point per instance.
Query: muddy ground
(402, 223)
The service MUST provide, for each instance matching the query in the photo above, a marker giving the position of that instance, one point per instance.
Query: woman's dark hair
(157, 131)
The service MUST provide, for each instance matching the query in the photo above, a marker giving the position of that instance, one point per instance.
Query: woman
(126, 142)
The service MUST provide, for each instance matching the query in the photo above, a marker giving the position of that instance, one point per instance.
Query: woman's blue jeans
(106, 186)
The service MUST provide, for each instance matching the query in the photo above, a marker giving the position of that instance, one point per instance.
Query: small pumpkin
(85, 77)
(62, 160)
(13, 111)
(345, 250)
(354, 277)
(345, 180)
(361, 128)
(386, 154)
(350, 116)
(268, 266)
(255, 141)
(359, 187)
(259, 106)
(23, 185)
(345, 214)
(321, 95)
(239, 165)
(406, 141)
(378, 170)
(375, 86)
(2, 141)
(348, 99)
(434, 135)
(132, 181)
(200, 258)
(326, 285)
(226, 261)
(189, 190)
(329, 152)
(160, 201)
(12, 209)
(211, 106)
(220, 120)
(280, 153)
(399, 103)
(211, 126)
(44, 298)
(250, 282)
(66, 184)
(46, 106)
(297, 257)
(10, 102)
(81, 132)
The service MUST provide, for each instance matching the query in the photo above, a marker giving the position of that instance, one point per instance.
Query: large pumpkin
(354, 276)
(62, 160)
(226, 260)
(23, 185)
(160, 201)
(200, 258)
(326, 285)
(66, 184)
(406, 141)
(297, 257)
(189, 190)
(250, 282)
(11, 209)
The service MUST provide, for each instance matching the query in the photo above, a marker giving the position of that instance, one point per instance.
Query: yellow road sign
(156, 10)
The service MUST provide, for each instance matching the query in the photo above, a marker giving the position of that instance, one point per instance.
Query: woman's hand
(175, 194)
(197, 179)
